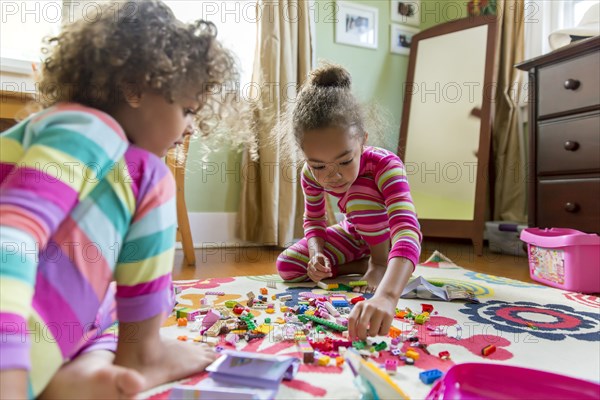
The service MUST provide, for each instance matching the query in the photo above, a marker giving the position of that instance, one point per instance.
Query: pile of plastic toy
(317, 323)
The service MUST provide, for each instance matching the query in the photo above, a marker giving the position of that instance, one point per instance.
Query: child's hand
(319, 268)
(371, 317)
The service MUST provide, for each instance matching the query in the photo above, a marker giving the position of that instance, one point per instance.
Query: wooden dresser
(564, 137)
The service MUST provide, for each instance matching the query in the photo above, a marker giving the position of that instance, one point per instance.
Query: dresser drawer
(573, 203)
(569, 145)
(556, 95)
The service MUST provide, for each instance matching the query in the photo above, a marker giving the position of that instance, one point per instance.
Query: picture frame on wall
(406, 12)
(356, 25)
(401, 38)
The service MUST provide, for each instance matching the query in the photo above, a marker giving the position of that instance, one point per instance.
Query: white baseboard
(215, 229)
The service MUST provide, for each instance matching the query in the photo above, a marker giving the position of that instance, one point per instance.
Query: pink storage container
(501, 382)
(564, 258)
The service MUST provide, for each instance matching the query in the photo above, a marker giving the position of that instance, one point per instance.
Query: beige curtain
(272, 204)
(510, 184)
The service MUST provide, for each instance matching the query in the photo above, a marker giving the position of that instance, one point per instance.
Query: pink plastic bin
(493, 381)
(564, 258)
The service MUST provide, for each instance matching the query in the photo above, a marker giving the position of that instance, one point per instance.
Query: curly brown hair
(137, 45)
(326, 100)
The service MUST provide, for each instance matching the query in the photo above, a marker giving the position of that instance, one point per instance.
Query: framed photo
(401, 38)
(356, 24)
(406, 12)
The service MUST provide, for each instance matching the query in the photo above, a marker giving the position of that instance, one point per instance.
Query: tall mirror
(446, 126)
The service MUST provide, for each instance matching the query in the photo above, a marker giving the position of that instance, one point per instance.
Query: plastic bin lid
(558, 237)
(494, 381)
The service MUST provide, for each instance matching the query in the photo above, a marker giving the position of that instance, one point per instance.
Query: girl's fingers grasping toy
(319, 268)
(380, 236)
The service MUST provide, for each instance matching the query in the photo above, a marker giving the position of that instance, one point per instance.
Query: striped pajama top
(79, 207)
(378, 204)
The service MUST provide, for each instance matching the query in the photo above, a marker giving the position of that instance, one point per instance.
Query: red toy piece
(487, 350)
(426, 308)
(357, 299)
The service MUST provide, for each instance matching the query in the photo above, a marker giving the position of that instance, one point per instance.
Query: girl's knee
(290, 269)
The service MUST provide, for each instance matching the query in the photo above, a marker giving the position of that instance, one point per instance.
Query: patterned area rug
(531, 326)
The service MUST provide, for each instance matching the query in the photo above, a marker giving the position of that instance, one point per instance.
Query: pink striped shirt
(378, 204)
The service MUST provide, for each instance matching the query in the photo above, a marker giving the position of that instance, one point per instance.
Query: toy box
(499, 382)
(564, 258)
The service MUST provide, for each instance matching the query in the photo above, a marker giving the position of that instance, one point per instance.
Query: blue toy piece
(430, 376)
(340, 303)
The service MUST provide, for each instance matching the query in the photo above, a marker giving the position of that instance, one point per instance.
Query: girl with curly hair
(380, 236)
(85, 200)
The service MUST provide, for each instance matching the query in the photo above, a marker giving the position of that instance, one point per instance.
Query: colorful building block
(391, 366)
(428, 308)
(412, 354)
(421, 319)
(308, 353)
(430, 376)
(327, 286)
(357, 283)
(324, 361)
(215, 329)
(263, 290)
(230, 303)
(324, 322)
(487, 350)
(394, 332)
(380, 346)
(357, 299)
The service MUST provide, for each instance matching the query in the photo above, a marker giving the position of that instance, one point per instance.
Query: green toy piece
(358, 283)
(380, 346)
(329, 324)
(359, 344)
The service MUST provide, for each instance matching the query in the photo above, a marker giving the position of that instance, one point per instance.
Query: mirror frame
(464, 229)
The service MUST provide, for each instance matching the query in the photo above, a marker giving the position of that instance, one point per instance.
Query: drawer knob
(571, 145)
(571, 207)
(572, 84)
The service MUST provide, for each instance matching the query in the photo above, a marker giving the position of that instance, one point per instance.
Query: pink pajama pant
(343, 245)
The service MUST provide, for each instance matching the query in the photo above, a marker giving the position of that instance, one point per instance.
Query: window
(542, 17)
(236, 25)
(24, 25)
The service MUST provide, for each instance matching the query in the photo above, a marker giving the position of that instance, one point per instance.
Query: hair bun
(331, 75)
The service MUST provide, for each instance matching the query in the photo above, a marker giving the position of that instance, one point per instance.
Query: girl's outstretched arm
(374, 316)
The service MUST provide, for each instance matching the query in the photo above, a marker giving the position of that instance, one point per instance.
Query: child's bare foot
(185, 359)
(94, 376)
(373, 276)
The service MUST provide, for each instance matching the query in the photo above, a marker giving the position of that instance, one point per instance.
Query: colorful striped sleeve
(315, 220)
(405, 231)
(56, 159)
(143, 271)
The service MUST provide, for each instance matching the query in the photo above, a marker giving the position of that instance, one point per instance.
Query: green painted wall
(378, 75)
(434, 12)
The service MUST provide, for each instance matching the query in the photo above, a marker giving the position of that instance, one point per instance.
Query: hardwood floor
(214, 262)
